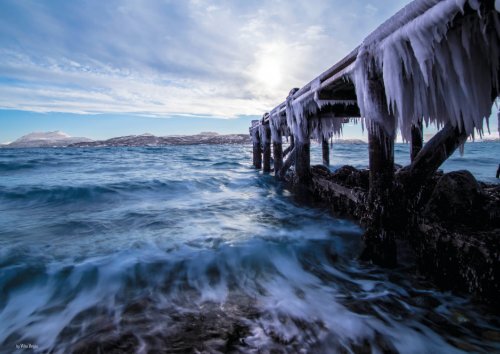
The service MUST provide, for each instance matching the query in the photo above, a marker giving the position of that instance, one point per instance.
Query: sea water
(185, 248)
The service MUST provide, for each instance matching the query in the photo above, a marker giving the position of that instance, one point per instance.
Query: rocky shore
(449, 228)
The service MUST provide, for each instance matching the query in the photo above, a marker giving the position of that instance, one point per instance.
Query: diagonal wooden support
(290, 147)
(433, 154)
(289, 162)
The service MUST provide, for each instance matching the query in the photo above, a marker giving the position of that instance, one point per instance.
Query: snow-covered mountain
(47, 139)
(152, 140)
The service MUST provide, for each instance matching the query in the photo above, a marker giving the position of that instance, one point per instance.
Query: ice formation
(431, 69)
(431, 64)
(254, 133)
(279, 128)
(307, 120)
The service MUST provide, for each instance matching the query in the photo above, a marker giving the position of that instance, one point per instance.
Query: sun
(269, 71)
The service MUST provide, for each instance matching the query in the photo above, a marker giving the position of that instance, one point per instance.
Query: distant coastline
(58, 139)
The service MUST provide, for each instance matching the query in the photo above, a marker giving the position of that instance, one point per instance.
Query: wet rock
(492, 204)
(460, 260)
(351, 177)
(344, 190)
(491, 335)
(456, 199)
(425, 301)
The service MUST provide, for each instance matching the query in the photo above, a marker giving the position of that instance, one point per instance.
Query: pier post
(290, 147)
(303, 160)
(381, 155)
(326, 152)
(257, 149)
(379, 239)
(266, 143)
(278, 154)
(417, 139)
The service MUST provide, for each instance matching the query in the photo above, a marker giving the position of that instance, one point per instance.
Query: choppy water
(175, 248)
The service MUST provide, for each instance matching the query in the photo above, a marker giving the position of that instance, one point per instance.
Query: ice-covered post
(303, 160)
(380, 242)
(417, 139)
(277, 153)
(257, 150)
(266, 144)
(326, 152)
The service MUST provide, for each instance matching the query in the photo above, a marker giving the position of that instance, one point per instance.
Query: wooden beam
(325, 148)
(433, 154)
(257, 149)
(290, 147)
(278, 154)
(266, 143)
(289, 162)
(303, 161)
(381, 155)
(379, 239)
(417, 139)
(380, 140)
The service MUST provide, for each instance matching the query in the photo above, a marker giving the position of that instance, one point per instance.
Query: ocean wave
(288, 294)
(16, 166)
(89, 193)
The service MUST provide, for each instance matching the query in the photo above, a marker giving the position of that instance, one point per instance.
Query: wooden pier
(435, 61)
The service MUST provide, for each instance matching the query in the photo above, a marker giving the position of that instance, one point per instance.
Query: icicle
(432, 70)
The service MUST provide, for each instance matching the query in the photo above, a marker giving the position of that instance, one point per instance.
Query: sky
(107, 68)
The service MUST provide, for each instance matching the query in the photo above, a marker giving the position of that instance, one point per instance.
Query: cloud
(218, 58)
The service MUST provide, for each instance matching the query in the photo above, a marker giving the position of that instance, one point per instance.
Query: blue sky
(105, 68)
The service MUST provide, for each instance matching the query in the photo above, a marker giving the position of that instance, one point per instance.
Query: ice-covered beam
(439, 61)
